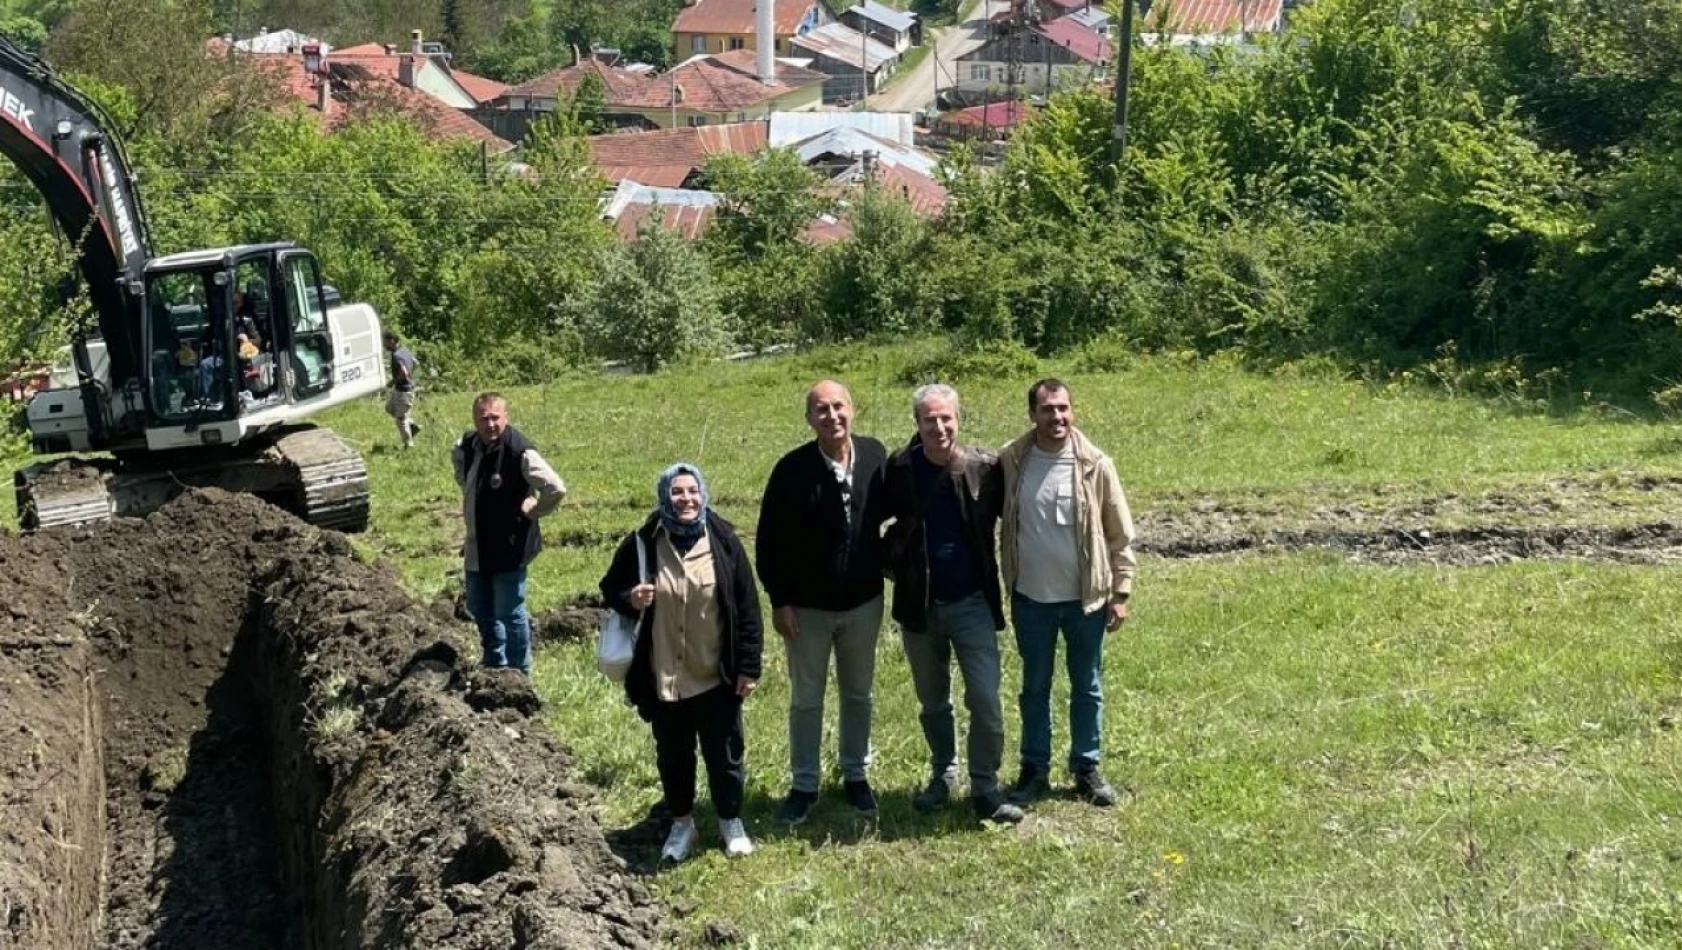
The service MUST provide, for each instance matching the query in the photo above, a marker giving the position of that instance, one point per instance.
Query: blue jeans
(498, 605)
(963, 629)
(1037, 625)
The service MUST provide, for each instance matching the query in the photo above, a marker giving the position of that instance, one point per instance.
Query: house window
(736, 42)
(979, 72)
(697, 120)
(697, 44)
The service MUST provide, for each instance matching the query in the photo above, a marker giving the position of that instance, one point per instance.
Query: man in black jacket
(506, 486)
(945, 499)
(819, 555)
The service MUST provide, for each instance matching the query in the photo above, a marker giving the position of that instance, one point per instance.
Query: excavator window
(188, 330)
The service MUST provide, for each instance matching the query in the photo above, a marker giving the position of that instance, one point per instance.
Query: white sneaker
(736, 842)
(679, 841)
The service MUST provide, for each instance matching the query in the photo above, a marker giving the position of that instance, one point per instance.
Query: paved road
(916, 91)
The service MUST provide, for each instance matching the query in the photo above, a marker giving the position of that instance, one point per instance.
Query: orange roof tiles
(355, 87)
(479, 87)
(1198, 17)
(725, 82)
(737, 16)
(668, 157)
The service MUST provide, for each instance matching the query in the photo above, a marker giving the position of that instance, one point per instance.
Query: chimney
(406, 70)
(415, 44)
(765, 40)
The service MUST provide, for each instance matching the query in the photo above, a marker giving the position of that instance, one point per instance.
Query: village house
(705, 90)
(426, 67)
(856, 64)
(896, 28)
(1037, 59)
(340, 92)
(673, 158)
(720, 26)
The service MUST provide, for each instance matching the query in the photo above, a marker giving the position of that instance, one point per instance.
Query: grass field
(1318, 753)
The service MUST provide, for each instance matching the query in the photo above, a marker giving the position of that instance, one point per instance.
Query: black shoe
(934, 795)
(1091, 786)
(993, 807)
(1031, 786)
(414, 429)
(796, 806)
(860, 796)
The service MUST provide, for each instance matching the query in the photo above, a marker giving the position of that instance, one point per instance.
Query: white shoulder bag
(616, 640)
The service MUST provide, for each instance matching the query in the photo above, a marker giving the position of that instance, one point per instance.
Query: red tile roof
(725, 82)
(479, 87)
(995, 114)
(1088, 45)
(736, 16)
(1199, 17)
(357, 89)
(563, 82)
(926, 196)
(668, 157)
(690, 221)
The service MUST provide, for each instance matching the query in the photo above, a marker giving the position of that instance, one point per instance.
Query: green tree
(655, 301)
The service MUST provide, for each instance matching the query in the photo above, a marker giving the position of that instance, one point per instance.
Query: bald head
(829, 411)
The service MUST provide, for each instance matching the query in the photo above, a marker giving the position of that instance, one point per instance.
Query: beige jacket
(1103, 524)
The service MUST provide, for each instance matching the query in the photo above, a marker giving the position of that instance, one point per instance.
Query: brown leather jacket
(975, 475)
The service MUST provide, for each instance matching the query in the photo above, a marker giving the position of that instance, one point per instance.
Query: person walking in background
(944, 498)
(400, 405)
(697, 654)
(1066, 546)
(819, 554)
(506, 487)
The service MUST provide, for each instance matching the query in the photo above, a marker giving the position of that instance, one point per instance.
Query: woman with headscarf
(698, 650)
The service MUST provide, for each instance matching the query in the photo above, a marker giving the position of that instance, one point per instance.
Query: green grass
(1320, 754)
(1180, 434)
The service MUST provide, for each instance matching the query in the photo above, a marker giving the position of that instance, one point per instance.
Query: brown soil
(225, 731)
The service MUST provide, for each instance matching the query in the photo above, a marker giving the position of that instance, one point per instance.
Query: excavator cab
(239, 335)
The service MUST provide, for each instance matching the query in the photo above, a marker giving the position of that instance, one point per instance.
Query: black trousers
(714, 720)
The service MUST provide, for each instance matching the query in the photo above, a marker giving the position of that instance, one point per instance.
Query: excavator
(196, 368)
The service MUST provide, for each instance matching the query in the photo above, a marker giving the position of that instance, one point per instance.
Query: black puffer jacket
(738, 597)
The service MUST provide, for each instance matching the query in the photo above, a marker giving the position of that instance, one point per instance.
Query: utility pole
(1124, 76)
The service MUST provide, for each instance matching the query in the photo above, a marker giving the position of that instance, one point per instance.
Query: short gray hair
(939, 391)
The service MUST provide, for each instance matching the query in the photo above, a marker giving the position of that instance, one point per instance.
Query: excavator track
(309, 472)
(331, 479)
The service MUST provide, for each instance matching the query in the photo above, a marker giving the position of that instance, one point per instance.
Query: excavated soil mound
(224, 731)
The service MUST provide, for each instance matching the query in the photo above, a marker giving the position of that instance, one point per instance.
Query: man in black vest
(506, 486)
(820, 562)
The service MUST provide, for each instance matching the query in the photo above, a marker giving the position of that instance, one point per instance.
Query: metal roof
(897, 20)
(842, 43)
(789, 127)
(853, 142)
(278, 41)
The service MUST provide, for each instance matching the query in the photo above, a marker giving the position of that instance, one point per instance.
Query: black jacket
(810, 552)
(738, 607)
(975, 476)
(507, 539)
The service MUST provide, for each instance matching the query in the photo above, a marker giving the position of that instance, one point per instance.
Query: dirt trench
(223, 730)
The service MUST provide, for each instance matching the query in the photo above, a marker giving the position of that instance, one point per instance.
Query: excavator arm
(64, 143)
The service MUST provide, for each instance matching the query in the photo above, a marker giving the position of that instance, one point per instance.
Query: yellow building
(722, 26)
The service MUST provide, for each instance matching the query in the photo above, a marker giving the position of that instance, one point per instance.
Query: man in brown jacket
(1066, 556)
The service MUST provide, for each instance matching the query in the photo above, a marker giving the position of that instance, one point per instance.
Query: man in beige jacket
(1066, 558)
